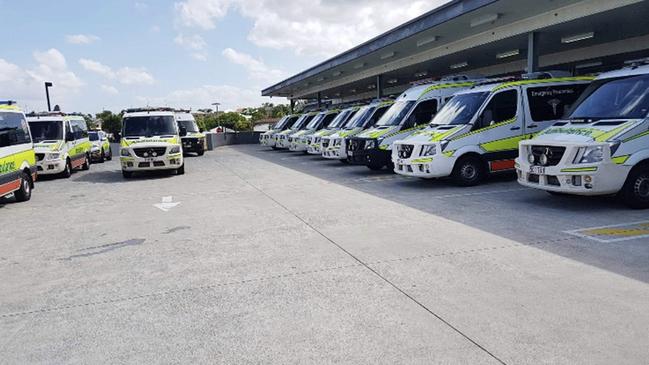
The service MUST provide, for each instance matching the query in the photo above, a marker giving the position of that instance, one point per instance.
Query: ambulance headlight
(124, 152)
(174, 150)
(429, 150)
(370, 144)
(592, 154)
(53, 156)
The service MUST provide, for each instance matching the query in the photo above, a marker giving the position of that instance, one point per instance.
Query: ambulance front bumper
(136, 162)
(408, 161)
(334, 149)
(564, 176)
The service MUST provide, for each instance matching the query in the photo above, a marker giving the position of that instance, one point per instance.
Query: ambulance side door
(499, 127)
(544, 105)
(70, 140)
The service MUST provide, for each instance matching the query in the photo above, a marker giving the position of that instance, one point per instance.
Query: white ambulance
(478, 130)
(298, 140)
(314, 141)
(335, 147)
(17, 159)
(283, 139)
(61, 142)
(151, 140)
(268, 138)
(601, 148)
(411, 112)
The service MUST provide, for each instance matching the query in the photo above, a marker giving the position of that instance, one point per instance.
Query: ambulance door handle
(514, 128)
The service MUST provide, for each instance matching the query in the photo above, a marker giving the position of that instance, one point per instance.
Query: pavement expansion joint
(178, 291)
(368, 267)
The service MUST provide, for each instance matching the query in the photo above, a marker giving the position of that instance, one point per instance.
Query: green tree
(111, 123)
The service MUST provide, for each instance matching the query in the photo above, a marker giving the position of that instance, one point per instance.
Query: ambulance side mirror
(69, 137)
(183, 131)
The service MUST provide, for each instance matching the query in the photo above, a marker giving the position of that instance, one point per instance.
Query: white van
(151, 140)
(61, 142)
(603, 145)
(298, 140)
(194, 139)
(314, 141)
(17, 159)
(411, 111)
(283, 140)
(268, 138)
(478, 130)
(334, 147)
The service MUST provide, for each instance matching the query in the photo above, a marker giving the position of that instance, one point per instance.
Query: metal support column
(532, 52)
(379, 86)
(292, 106)
(319, 99)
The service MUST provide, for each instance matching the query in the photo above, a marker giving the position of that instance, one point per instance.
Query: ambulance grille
(553, 154)
(405, 150)
(40, 156)
(150, 151)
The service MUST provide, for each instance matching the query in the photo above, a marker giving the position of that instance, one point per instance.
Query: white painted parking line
(614, 233)
(478, 193)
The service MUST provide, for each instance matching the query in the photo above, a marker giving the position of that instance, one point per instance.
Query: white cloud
(81, 38)
(25, 84)
(194, 42)
(200, 56)
(112, 90)
(155, 29)
(201, 13)
(141, 6)
(124, 75)
(320, 27)
(230, 97)
(257, 69)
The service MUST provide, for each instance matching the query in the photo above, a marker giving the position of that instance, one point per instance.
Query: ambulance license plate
(538, 170)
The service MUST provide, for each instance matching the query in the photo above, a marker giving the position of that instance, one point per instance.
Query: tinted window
(149, 126)
(79, 129)
(13, 129)
(552, 102)
(423, 113)
(46, 130)
(396, 113)
(502, 107)
(328, 119)
(460, 109)
(94, 136)
(189, 125)
(614, 98)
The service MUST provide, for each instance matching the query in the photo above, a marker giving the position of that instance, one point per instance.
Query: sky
(111, 55)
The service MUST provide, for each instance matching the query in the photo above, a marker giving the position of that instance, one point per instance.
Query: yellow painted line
(614, 233)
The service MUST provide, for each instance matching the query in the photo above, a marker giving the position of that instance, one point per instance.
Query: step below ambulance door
(500, 126)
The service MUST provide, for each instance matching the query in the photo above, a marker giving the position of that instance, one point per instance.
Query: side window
(13, 130)
(79, 129)
(501, 108)
(422, 114)
(552, 102)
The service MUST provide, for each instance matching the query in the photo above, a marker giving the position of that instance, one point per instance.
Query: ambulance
(314, 141)
(601, 148)
(268, 138)
(411, 112)
(283, 140)
(478, 130)
(17, 158)
(100, 150)
(151, 140)
(61, 142)
(194, 139)
(298, 140)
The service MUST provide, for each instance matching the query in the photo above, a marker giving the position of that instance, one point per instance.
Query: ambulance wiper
(585, 119)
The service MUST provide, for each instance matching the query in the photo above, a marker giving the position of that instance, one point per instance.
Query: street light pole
(217, 107)
(47, 95)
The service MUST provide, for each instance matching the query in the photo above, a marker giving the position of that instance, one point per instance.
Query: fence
(229, 138)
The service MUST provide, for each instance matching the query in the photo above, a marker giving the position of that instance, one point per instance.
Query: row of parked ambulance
(562, 134)
(56, 143)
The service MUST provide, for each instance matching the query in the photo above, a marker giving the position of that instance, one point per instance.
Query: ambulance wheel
(86, 164)
(469, 171)
(375, 166)
(102, 157)
(68, 169)
(391, 166)
(635, 192)
(345, 161)
(127, 174)
(109, 157)
(201, 152)
(25, 192)
(275, 148)
(181, 170)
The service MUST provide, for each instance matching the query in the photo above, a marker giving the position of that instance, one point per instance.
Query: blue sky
(122, 53)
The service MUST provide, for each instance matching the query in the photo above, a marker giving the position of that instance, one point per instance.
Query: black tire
(86, 164)
(68, 169)
(345, 161)
(556, 193)
(127, 174)
(110, 154)
(390, 166)
(375, 166)
(469, 171)
(102, 156)
(25, 192)
(275, 148)
(201, 152)
(635, 192)
(180, 170)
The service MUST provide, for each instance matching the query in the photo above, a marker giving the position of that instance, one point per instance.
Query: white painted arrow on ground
(167, 204)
